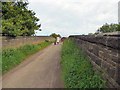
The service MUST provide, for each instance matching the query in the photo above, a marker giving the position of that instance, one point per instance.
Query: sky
(73, 17)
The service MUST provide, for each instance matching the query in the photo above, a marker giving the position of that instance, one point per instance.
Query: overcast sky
(71, 17)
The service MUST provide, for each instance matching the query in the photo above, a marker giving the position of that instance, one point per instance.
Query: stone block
(118, 75)
(101, 54)
(111, 72)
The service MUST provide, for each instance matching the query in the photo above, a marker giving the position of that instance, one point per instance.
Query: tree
(17, 20)
(104, 28)
(90, 33)
(118, 28)
(109, 28)
(54, 35)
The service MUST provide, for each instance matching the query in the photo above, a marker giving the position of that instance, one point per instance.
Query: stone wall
(8, 42)
(104, 53)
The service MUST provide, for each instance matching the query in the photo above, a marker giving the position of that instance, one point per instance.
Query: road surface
(41, 70)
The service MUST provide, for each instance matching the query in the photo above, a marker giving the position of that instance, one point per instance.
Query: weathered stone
(118, 75)
(113, 42)
(96, 59)
(111, 72)
(104, 54)
(115, 59)
(100, 54)
(104, 65)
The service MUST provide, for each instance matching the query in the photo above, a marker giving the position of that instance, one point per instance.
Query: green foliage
(17, 20)
(54, 35)
(109, 28)
(77, 70)
(118, 28)
(13, 57)
(90, 34)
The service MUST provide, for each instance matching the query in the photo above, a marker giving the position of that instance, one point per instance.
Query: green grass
(13, 57)
(77, 71)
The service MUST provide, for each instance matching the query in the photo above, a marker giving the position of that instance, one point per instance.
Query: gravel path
(41, 70)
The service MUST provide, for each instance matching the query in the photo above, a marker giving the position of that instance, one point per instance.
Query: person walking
(58, 40)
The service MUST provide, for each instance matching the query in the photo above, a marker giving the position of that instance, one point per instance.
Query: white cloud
(74, 16)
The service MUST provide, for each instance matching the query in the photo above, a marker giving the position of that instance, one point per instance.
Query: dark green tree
(118, 28)
(109, 28)
(54, 35)
(17, 20)
(104, 28)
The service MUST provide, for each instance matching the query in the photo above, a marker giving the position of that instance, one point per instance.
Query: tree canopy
(17, 20)
(109, 28)
(54, 35)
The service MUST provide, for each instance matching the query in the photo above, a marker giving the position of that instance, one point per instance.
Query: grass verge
(13, 57)
(77, 71)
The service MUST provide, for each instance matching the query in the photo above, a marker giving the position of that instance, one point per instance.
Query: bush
(77, 71)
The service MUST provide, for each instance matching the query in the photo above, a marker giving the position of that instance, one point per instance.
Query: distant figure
(58, 40)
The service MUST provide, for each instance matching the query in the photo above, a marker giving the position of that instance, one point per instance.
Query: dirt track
(41, 70)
